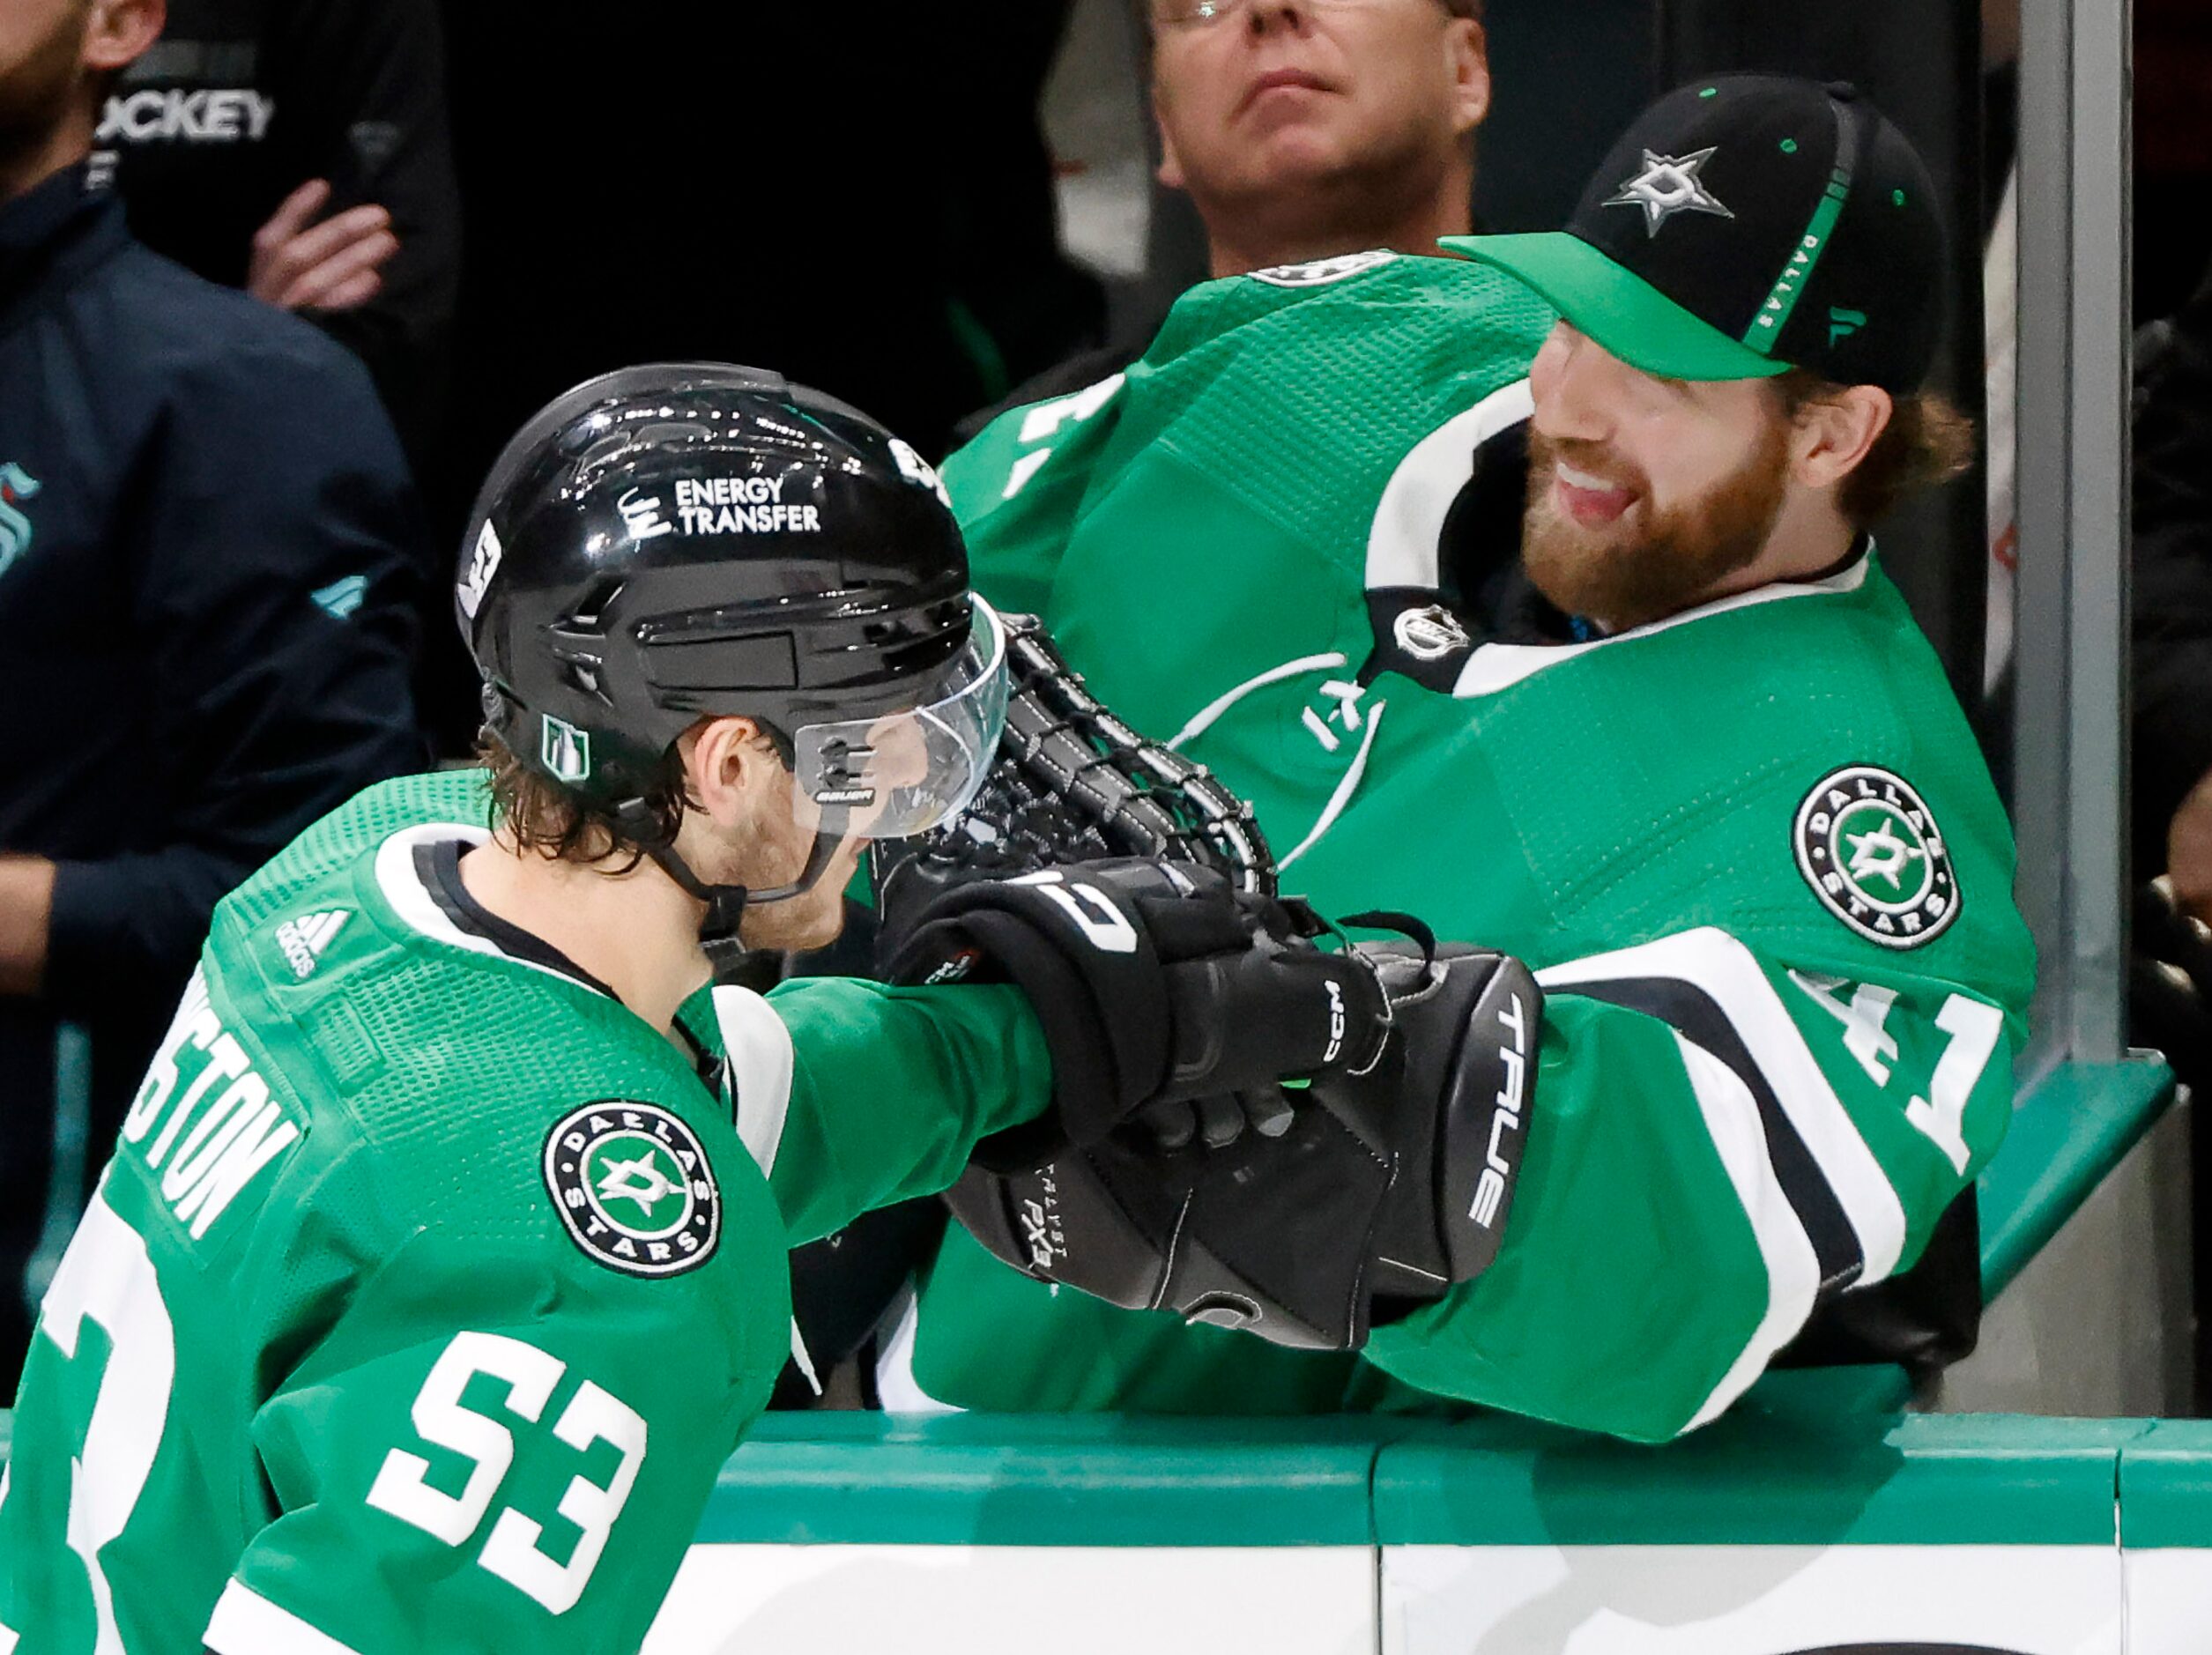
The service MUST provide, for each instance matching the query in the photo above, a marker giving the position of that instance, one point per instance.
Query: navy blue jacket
(207, 546)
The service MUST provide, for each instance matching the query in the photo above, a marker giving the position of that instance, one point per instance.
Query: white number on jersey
(592, 1416)
(1044, 421)
(106, 1277)
(1864, 1017)
(1974, 1029)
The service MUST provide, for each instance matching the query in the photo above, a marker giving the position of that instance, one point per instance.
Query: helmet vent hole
(583, 676)
(589, 614)
(922, 655)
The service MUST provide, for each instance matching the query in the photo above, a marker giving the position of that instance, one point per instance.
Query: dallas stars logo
(1869, 847)
(633, 1187)
(1879, 854)
(644, 1182)
(1670, 184)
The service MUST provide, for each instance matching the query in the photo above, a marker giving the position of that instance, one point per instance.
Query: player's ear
(119, 31)
(1169, 171)
(1468, 58)
(1171, 165)
(728, 766)
(1834, 433)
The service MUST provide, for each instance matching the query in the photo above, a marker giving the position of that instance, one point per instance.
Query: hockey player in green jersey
(1690, 755)
(440, 1263)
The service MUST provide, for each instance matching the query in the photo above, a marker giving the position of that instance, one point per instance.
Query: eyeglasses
(1198, 14)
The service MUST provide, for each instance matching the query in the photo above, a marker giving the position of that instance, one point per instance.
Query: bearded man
(1534, 594)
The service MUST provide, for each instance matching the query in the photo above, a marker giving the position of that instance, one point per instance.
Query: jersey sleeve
(1017, 489)
(1718, 1144)
(491, 1450)
(852, 1095)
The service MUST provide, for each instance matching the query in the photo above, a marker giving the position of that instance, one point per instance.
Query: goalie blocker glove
(1157, 985)
(1392, 1186)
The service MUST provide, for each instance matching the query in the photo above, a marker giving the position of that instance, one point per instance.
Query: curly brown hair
(1928, 441)
(548, 821)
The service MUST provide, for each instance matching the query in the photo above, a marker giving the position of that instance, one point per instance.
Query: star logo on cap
(1670, 184)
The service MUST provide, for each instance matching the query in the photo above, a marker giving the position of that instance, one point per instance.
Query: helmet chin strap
(718, 937)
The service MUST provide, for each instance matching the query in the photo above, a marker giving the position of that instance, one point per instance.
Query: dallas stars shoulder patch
(1868, 845)
(633, 1186)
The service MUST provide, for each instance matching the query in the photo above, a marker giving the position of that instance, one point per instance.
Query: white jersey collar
(1499, 667)
(401, 883)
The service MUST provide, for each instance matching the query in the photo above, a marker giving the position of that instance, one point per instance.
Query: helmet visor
(905, 772)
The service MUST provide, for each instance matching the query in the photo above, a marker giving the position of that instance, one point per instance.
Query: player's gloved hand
(1392, 1185)
(1159, 986)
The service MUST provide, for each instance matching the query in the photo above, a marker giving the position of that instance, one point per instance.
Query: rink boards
(1780, 1530)
(1812, 1518)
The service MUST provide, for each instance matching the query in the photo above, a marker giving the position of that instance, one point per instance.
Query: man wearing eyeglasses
(1302, 129)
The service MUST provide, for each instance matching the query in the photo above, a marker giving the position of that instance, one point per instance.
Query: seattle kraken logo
(16, 485)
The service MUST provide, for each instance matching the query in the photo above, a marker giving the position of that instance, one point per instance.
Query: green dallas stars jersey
(429, 1288)
(1753, 850)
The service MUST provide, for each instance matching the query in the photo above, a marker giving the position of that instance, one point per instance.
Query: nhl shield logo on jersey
(1430, 632)
(631, 1182)
(1868, 845)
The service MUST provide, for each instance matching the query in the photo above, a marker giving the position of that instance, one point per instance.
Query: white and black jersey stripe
(761, 1062)
(1824, 1214)
(1698, 1019)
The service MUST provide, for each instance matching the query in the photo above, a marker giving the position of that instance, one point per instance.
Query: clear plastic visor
(906, 772)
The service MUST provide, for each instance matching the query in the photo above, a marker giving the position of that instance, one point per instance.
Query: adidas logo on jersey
(304, 940)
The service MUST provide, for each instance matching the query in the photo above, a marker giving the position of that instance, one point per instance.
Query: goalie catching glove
(1158, 985)
(1388, 1188)
(1070, 783)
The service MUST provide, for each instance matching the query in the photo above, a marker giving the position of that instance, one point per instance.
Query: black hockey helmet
(683, 540)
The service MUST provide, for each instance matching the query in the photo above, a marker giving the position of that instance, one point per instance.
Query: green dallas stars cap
(1746, 225)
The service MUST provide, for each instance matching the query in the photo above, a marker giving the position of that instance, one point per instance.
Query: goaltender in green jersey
(1687, 754)
(441, 1261)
